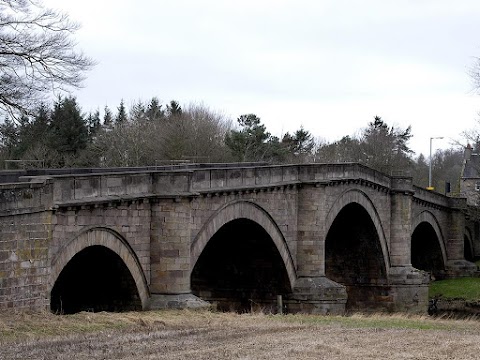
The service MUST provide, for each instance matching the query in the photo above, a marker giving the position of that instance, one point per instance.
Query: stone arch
(427, 217)
(361, 198)
(99, 236)
(247, 210)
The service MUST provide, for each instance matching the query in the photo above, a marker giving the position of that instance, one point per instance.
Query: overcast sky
(329, 66)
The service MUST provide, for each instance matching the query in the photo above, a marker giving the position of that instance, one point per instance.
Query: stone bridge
(328, 238)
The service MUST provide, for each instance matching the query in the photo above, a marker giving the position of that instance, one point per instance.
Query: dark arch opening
(426, 251)
(95, 279)
(354, 258)
(240, 269)
(467, 250)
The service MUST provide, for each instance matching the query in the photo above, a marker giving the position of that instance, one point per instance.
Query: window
(477, 186)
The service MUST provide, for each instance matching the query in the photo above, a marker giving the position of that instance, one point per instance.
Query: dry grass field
(209, 335)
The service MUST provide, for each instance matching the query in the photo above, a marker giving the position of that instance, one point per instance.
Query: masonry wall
(468, 188)
(473, 229)
(170, 246)
(25, 237)
(24, 265)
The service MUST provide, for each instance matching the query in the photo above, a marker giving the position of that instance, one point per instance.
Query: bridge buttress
(401, 228)
(313, 292)
(456, 263)
(409, 286)
(170, 256)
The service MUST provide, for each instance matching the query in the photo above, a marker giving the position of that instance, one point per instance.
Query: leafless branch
(37, 55)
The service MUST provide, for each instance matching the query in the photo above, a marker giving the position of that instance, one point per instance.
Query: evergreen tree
(174, 109)
(34, 134)
(275, 152)
(68, 131)
(26, 139)
(41, 120)
(94, 124)
(8, 137)
(121, 117)
(250, 143)
(137, 112)
(299, 146)
(107, 117)
(154, 110)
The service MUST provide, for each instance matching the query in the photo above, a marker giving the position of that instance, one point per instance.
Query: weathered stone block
(318, 295)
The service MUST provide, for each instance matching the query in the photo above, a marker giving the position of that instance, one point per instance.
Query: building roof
(471, 168)
(471, 165)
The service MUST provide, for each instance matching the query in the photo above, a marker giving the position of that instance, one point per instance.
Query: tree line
(151, 133)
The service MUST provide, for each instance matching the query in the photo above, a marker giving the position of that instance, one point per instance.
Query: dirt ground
(204, 335)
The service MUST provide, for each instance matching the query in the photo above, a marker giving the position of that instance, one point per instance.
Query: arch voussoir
(359, 197)
(244, 210)
(108, 239)
(427, 217)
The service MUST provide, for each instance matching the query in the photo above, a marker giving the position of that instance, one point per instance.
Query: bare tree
(196, 133)
(210, 129)
(472, 136)
(474, 72)
(37, 55)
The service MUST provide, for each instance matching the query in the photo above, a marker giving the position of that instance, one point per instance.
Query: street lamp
(430, 187)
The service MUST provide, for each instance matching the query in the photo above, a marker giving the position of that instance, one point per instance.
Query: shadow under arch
(246, 210)
(240, 255)
(468, 250)
(428, 251)
(361, 198)
(100, 244)
(356, 253)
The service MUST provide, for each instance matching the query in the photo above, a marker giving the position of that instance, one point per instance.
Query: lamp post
(430, 187)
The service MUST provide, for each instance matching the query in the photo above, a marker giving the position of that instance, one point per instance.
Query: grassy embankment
(467, 288)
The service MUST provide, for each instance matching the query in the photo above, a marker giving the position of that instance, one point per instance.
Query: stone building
(470, 177)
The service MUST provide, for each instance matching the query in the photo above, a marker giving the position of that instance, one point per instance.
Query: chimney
(468, 153)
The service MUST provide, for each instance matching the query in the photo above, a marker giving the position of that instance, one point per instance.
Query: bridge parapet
(21, 197)
(92, 187)
(436, 199)
(68, 188)
(243, 177)
(401, 184)
(342, 171)
(277, 175)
